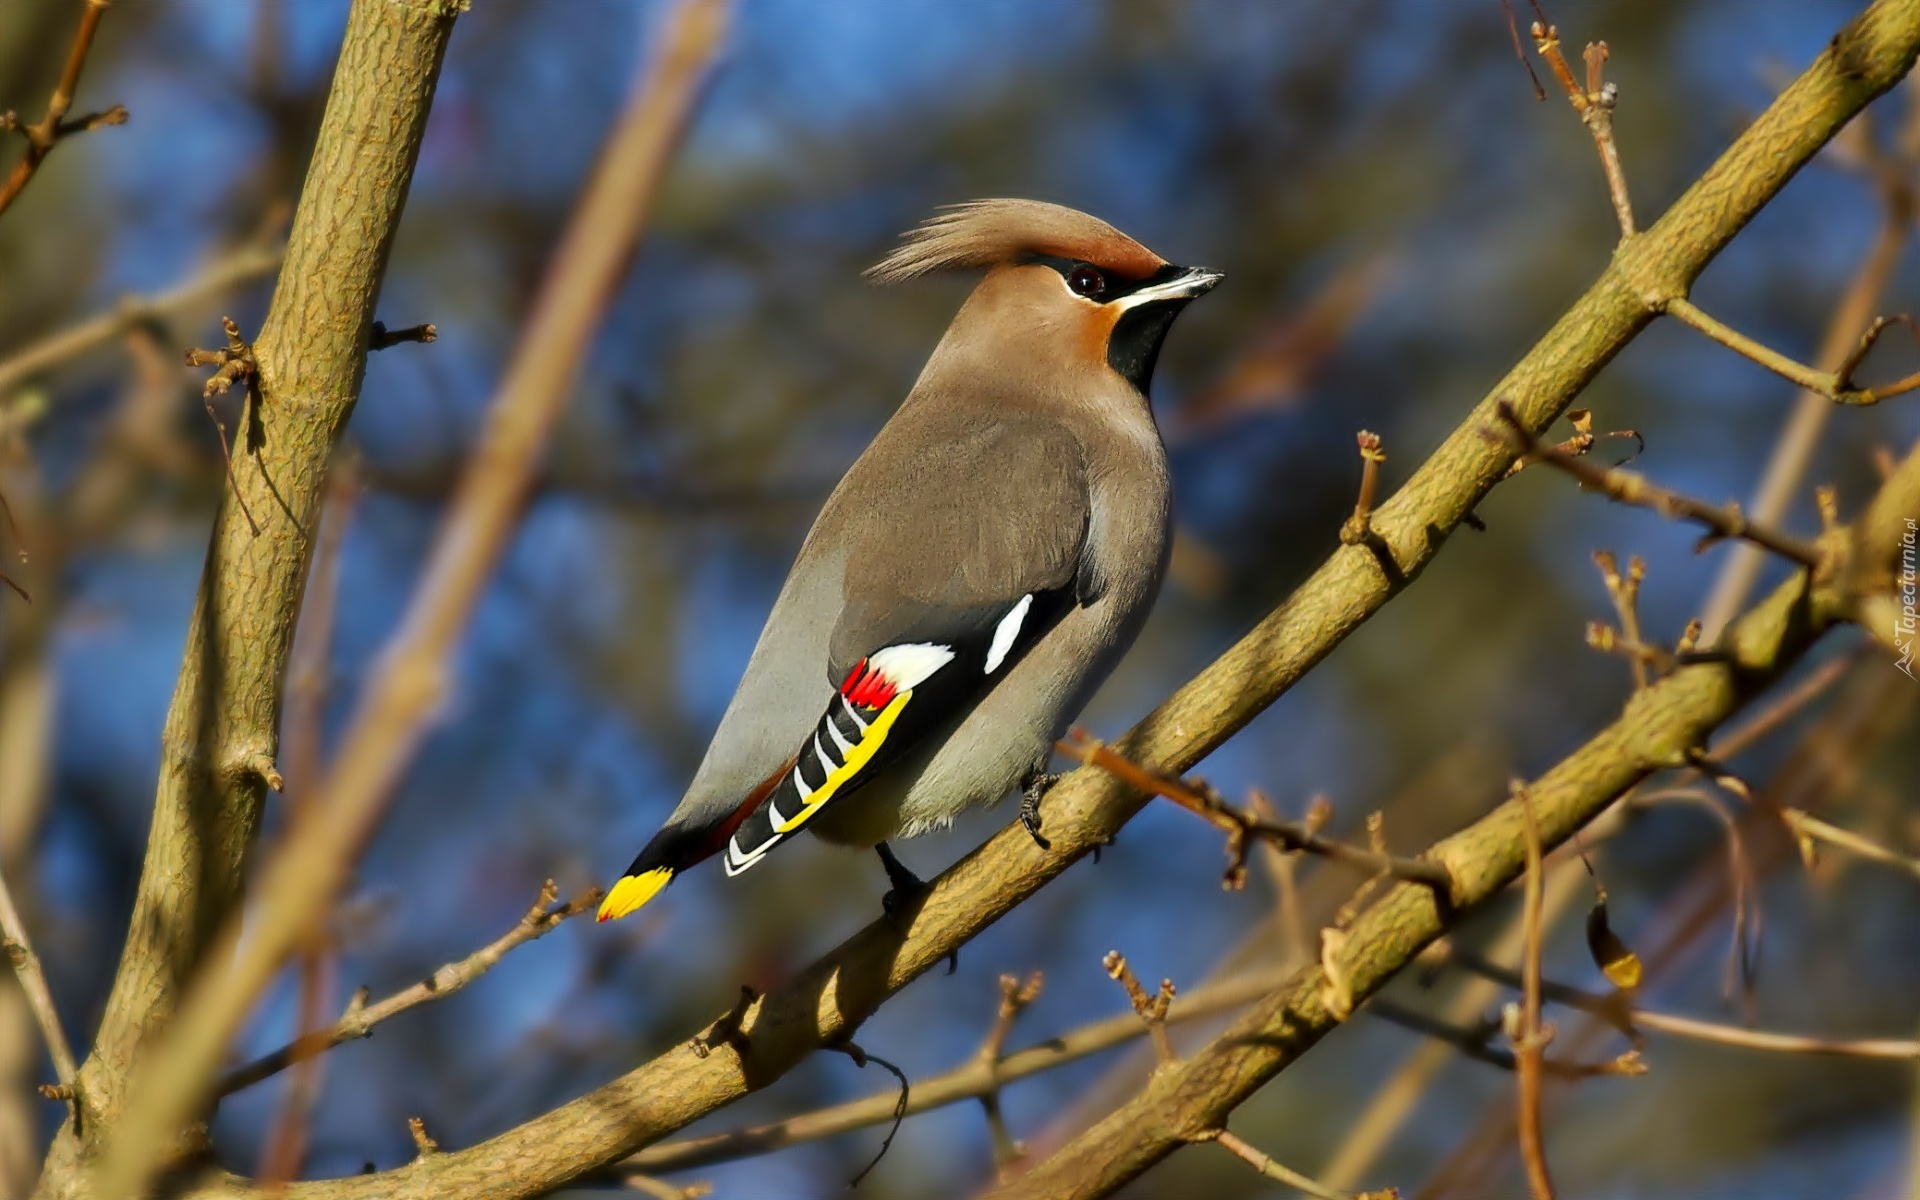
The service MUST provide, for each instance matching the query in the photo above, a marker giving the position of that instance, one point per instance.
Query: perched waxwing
(976, 574)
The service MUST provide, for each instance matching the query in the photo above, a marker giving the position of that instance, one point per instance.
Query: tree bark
(223, 725)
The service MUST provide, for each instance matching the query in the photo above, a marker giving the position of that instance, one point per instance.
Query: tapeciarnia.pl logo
(1904, 625)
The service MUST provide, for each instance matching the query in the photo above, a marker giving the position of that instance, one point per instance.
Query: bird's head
(1063, 289)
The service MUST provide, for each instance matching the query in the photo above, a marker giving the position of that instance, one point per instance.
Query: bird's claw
(1031, 790)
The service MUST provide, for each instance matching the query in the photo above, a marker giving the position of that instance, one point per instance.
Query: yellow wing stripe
(632, 891)
(857, 758)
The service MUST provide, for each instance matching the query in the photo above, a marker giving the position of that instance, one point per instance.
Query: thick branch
(222, 727)
(827, 1001)
(300, 881)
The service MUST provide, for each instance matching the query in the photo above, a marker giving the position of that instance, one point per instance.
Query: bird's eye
(1087, 281)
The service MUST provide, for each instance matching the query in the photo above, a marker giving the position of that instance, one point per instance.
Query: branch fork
(360, 1017)
(1595, 104)
(1836, 385)
(235, 363)
(1723, 522)
(1150, 1007)
(1242, 827)
(1264, 1163)
(1015, 997)
(55, 126)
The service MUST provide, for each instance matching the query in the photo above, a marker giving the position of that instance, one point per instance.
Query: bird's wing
(973, 552)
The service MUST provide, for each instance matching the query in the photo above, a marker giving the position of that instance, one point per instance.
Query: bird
(976, 574)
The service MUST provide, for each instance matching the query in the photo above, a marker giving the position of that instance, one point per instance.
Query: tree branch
(1793, 452)
(33, 982)
(1594, 103)
(1835, 385)
(300, 880)
(222, 726)
(1616, 1009)
(46, 133)
(238, 267)
(360, 1018)
(1724, 521)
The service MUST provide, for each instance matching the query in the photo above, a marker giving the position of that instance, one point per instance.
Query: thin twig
(1799, 438)
(1477, 1043)
(1807, 827)
(1280, 1173)
(1241, 827)
(240, 266)
(1282, 867)
(1614, 1009)
(360, 1017)
(660, 1189)
(1905, 1049)
(1624, 591)
(1594, 104)
(1371, 456)
(235, 362)
(33, 982)
(1724, 521)
(46, 133)
(423, 1143)
(1834, 385)
(1151, 1009)
(1529, 1036)
(1584, 439)
(1742, 954)
(860, 1059)
(379, 337)
(1014, 999)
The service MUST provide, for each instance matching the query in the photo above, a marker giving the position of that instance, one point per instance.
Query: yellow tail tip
(631, 892)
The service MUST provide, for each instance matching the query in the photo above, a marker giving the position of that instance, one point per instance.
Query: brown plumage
(985, 233)
(976, 574)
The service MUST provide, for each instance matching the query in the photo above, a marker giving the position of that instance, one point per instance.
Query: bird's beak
(1191, 282)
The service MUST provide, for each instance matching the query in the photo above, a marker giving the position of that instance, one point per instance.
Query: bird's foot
(905, 895)
(907, 889)
(1032, 788)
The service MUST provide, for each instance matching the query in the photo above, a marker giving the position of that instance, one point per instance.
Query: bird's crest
(982, 233)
